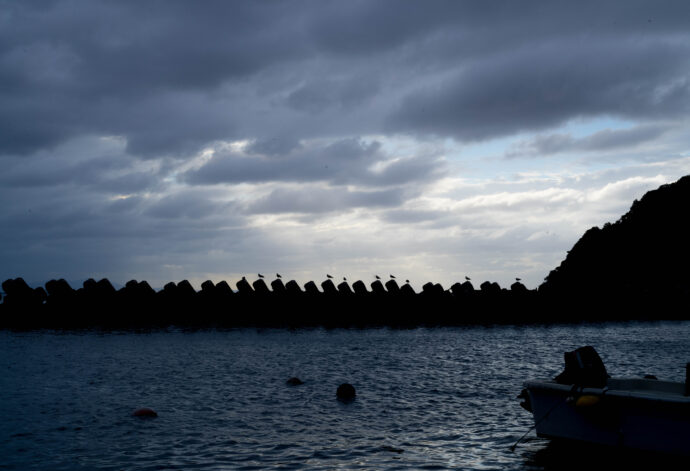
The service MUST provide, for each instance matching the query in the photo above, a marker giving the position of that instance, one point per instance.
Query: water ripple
(426, 398)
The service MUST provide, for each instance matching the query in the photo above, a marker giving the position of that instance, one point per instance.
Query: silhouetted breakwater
(99, 304)
(633, 269)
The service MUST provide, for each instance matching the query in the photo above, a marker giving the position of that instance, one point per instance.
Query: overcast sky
(429, 140)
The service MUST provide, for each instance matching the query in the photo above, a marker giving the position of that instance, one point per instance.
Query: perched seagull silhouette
(467, 278)
(278, 275)
(377, 277)
(392, 277)
(260, 275)
(518, 279)
(407, 281)
(329, 276)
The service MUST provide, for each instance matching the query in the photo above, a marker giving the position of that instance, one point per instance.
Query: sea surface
(432, 398)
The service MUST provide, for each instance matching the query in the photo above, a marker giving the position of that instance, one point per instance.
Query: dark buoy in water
(144, 412)
(294, 381)
(346, 392)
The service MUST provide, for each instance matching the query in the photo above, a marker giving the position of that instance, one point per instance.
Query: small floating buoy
(144, 412)
(294, 381)
(346, 392)
(392, 448)
(587, 400)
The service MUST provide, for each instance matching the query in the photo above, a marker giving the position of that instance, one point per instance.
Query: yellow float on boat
(587, 400)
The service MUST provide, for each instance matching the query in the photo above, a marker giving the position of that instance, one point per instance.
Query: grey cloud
(544, 86)
(324, 200)
(609, 139)
(411, 169)
(78, 232)
(162, 123)
(121, 248)
(177, 124)
(172, 77)
(349, 150)
(30, 124)
(600, 141)
(412, 216)
(124, 205)
(545, 145)
(82, 164)
(273, 146)
(127, 183)
(126, 47)
(113, 67)
(187, 205)
(320, 95)
(345, 161)
(169, 78)
(459, 29)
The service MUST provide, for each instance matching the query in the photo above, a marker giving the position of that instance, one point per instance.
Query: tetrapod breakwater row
(97, 304)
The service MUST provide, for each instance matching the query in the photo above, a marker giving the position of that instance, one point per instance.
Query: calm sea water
(426, 398)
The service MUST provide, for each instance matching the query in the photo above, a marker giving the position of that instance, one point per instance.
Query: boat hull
(647, 415)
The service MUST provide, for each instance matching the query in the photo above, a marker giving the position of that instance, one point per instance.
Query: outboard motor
(583, 367)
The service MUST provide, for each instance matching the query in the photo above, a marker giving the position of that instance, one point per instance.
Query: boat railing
(646, 385)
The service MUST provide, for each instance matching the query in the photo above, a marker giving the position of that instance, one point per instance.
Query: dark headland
(635, 268)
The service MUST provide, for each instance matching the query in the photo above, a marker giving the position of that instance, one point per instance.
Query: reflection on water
(426, 398)
(553, 455)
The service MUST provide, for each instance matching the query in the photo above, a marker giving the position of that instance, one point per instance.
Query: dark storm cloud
(120, 67)
(102, 174)
(545, 86)
(86, 164)
(171, 77)
(321, 95)
(125, 47)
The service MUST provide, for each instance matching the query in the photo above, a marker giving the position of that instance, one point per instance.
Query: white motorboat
(584, 404)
